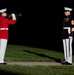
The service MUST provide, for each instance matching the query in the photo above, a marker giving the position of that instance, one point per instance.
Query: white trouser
(67, 45)
(3, 44)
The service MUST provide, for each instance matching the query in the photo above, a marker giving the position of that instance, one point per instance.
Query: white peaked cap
(3, 10)
(67, 8)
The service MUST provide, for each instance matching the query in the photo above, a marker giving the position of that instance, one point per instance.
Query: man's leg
(65, 49)
(70, 51)
(3, 44)
(67, 52)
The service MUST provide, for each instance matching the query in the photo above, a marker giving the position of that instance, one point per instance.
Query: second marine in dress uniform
(67, 35)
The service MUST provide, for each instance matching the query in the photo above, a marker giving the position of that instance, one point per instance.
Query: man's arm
(13, 21)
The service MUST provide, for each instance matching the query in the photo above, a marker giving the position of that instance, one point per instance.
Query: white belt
(3, 28)
(66, 27)
(69, 29)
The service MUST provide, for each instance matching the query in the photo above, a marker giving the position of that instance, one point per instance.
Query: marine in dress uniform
(67, 35)
(4, 23)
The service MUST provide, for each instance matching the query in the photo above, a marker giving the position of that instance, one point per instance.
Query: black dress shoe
(66, 63)
(63, 63)
(3, 63)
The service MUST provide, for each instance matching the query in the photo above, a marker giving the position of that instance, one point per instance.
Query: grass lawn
(36, 70)
(25, 53)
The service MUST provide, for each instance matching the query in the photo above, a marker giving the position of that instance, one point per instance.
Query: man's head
(67, 11)
(3, 12)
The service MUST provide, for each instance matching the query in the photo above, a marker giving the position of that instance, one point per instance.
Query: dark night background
(40, 24)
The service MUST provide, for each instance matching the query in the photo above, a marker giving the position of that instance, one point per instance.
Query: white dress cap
(3, 10)
(67, 8)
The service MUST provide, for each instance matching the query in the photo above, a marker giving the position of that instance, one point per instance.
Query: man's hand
(73, 29)
(13, 16)
(72, 22)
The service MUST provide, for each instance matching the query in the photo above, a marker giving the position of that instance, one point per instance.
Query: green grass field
(36, 70)
(25, 53)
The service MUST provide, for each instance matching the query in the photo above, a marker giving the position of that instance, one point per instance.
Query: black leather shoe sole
(3, 63)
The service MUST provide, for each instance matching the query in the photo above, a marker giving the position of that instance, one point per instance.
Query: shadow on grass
(43, 55)
(3, 72)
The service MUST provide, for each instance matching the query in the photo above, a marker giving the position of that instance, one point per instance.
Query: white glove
(70, 37)
(13, 16)
(69, 31)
